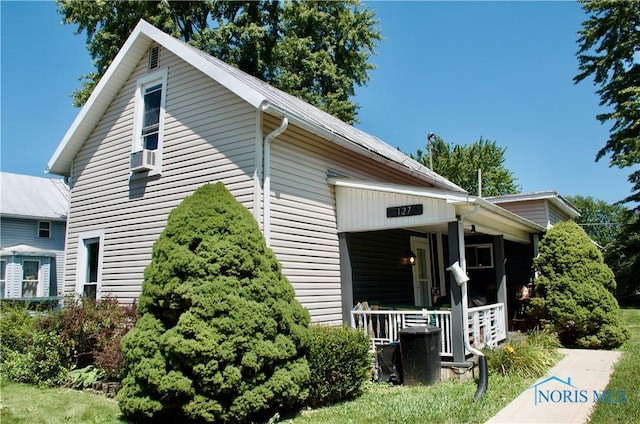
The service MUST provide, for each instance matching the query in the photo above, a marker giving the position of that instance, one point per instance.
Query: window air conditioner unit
(144, 160)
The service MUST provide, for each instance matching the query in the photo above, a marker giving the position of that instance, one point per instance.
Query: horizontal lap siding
(209, 136)
(533, 210)
(25, 231)
(555, 214)
(304, 234)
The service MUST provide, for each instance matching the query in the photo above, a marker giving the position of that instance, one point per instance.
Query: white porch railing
(382, 326)
(487, 326)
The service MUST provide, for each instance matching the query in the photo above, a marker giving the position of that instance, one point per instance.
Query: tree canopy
(460, 164)
(600, 220)
(609, 45)
(315, 50)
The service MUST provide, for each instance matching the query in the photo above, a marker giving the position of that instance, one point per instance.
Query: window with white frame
(149, 113)
(479, 256)
(44, 229)
(3, 278)
(30, 278)
(89, 275)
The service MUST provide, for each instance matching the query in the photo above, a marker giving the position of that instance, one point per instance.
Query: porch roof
(363, 206)
(25, 250)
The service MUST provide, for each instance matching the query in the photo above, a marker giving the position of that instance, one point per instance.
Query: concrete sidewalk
(568, 392)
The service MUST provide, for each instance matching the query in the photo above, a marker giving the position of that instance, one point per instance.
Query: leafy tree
(220, 337)
(312, 49)
(460, 164)
(608, 47)
(600, 220)
(623, 256)
(576, 288)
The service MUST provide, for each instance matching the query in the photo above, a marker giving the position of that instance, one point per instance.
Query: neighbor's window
(30, 278)
(479, 256)
(44, 229)
(3, 278)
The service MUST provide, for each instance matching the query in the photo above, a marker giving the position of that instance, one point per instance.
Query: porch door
(421, 271)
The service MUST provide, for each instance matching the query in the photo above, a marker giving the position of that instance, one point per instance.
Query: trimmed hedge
(340, 363)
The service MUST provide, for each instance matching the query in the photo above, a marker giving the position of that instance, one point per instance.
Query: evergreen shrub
(340, 364)
(221, 337)
(576, 290)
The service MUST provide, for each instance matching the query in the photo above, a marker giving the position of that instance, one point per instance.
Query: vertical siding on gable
(209, 137)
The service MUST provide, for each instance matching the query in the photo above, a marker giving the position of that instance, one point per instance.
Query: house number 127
(406, 210)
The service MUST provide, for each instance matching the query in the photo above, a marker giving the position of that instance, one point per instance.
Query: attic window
(154, 57)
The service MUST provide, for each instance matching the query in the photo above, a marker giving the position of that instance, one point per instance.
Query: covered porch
(395, 245)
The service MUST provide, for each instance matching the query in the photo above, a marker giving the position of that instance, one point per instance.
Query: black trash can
(420, 354)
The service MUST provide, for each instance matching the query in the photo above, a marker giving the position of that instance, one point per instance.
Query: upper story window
(479, 256)
(151, 116)
(44, 229)
(149, 123)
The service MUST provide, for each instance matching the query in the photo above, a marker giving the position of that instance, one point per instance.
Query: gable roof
(26, 196)
(253, 90)
(550, 195)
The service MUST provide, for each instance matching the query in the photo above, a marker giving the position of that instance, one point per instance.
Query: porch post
(346, 280)
(501, 276)
(456, 230)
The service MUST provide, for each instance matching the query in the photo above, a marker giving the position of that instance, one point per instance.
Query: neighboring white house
(33, 215)
(349, 217)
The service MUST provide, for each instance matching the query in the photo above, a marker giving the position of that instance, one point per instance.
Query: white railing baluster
(486, 325)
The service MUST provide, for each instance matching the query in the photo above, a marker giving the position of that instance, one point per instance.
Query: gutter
(303, 123)
(266, 216)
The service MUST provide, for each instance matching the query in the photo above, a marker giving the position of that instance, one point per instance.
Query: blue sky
(500, 70)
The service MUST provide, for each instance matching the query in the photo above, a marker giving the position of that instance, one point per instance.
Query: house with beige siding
(354, 222)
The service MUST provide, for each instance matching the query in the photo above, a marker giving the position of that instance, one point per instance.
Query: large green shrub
(577, 290)
(220, 337)
(29, 354)
(340, 363)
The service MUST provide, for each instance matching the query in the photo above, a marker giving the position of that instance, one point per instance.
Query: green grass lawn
(447, 402)
(22, 403)
(626, 377)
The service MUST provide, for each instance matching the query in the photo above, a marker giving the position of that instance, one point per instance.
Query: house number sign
(409, 210)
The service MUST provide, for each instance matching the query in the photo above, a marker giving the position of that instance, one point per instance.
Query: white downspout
(463, 265)
(482, 360)
(266, 216)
